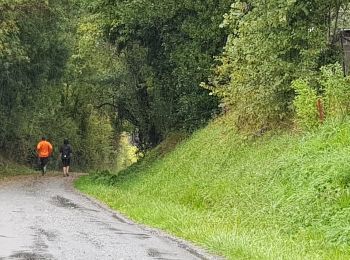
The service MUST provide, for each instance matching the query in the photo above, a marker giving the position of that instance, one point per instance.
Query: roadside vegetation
(9, 168)
(140, 80)
(280, 196)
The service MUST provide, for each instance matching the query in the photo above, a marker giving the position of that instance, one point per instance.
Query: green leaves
(305, 104)
(323, 96)
(167, 48)
(37, 95)
(271, 43)
(336, 91)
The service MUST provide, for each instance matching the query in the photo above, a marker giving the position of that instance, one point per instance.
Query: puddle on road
(21, 210)
(66, 203)
(50, 235)
(153, 253)
(141, 236)
(30, 256)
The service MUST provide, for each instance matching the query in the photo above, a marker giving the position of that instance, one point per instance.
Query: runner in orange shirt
(44, 150)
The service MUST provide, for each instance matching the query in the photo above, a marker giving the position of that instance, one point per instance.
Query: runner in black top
(66, 154)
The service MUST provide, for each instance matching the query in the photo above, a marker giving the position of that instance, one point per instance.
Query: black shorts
(44, 161)
(66, 162)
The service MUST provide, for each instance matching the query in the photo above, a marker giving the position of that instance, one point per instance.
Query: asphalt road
(45, 218)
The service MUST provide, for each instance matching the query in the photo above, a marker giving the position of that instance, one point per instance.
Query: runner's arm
(51, 149)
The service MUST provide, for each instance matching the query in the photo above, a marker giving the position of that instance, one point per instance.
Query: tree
(166, 49)
(41, 91)
(272, 43)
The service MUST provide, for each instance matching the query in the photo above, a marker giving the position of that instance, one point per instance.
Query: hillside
(279, 196)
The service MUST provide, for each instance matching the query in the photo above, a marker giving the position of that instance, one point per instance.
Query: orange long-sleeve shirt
(44, 149)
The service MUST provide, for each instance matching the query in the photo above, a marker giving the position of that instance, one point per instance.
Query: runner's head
(43, 138)
(65, 141)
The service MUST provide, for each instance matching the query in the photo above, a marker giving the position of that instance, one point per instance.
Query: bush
(305, 104)
(336, 91)
(333, 99)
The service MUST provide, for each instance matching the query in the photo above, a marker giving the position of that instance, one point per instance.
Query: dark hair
(43, 138)
(65, 141)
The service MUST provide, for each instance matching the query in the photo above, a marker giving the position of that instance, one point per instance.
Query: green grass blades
(280, 196)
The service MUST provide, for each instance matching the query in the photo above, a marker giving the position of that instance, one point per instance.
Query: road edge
(184, 244)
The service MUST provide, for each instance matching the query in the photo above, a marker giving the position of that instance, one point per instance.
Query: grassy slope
(276, 197)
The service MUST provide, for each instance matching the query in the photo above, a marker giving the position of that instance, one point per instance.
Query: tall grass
(281, 196)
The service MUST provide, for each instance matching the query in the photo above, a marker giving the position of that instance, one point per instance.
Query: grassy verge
(277, 197)
(9, 169)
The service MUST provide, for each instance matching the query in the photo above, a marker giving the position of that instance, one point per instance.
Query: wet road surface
(44, 218)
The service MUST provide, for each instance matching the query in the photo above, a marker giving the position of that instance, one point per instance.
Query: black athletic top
(66, 151)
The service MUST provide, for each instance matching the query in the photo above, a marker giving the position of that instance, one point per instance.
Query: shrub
(305, 104)
(336, 91)
(334, 97)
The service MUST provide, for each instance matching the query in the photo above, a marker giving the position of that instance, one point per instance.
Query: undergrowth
(9, 168)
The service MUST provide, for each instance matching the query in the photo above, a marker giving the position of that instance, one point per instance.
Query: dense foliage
(167, 49)
(35, 98)
(331, 99)
(32, 61)
(89, 70)
(272, 43)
